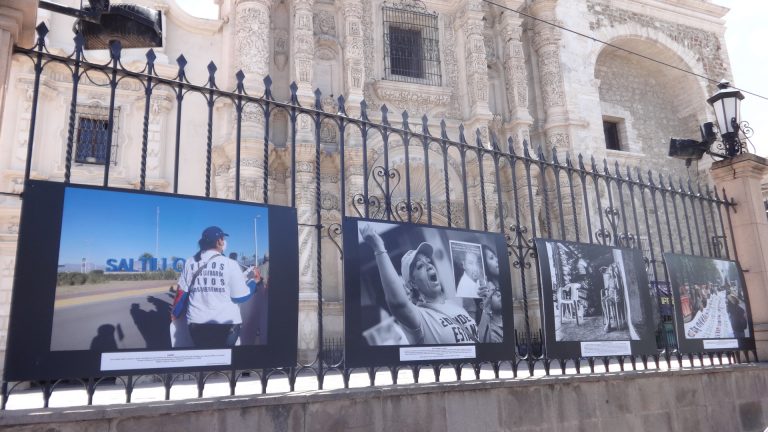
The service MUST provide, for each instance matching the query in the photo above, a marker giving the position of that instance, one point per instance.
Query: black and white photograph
(594, 293)
(468, 268)
(710, 300)
(408, 277)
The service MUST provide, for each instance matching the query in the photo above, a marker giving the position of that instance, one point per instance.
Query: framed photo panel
(596, 300)
(424, 294)
(115, 282)
(711, 304)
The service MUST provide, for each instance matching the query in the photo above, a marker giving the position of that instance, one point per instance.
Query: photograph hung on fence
(596, 300)
(711, 303)
(157, 273)
(411, 285)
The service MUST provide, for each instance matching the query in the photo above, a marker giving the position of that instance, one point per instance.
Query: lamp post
(727, 105)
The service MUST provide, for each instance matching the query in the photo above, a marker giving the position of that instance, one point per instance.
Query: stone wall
(714, 399)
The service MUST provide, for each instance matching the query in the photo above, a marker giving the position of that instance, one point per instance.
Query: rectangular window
(92, 136)
(611, 131)
(405, 52)
(411, 45)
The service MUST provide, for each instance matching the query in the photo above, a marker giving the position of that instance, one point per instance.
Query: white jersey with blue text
(210, 297)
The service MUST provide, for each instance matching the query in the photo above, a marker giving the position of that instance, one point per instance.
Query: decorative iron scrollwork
(520, 247)
(373, 203)
(334, 233)
(402, 209)
(626, 240)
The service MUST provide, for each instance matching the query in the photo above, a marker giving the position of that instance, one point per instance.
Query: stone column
(17, 26)
(303, 49)
(354, 70)
(741, 177)
(546, 42)
(252, 19)
(516, 76)
(470, 21)
(306, 201)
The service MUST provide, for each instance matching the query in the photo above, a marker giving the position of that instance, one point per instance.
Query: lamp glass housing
(727, 105)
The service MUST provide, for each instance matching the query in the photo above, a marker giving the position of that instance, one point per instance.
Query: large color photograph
(424, 286)
(154, 272)
(113, 281)
(594, 293)
(710, 298)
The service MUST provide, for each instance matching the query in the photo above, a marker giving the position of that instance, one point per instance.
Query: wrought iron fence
(337, 164)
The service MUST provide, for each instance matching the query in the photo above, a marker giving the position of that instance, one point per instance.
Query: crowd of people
(695, 297)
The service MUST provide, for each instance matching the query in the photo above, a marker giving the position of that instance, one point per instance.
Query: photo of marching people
(712, 299)
(594, 291)
(142, 271)
(428, 286)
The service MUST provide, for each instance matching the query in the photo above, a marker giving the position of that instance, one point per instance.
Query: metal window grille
(92, 132)
(411, 44)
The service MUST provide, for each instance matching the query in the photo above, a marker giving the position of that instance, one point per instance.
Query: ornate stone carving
(329, 201)
(706, 44)
(251, 41)
(280, 48)
(558, 139)
(403, 97)
(325, 23)
(551, 76)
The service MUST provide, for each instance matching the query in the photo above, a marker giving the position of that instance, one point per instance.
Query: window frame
(100, 114)
(413, 17)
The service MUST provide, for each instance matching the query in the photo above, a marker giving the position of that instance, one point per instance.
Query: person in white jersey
(417, 299)
(214, 285)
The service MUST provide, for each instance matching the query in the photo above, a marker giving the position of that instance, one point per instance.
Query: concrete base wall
(715, 399)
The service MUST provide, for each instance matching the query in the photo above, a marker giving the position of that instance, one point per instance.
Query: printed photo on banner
(712, 299)
(468, 268)
(594, 293)
(428, 286)
(143, 271)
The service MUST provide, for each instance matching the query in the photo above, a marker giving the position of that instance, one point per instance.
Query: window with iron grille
(411, 44)
(92, 135)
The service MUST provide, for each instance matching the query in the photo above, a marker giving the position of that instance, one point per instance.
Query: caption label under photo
(165, 359)
(437, 353)
(605, 348)
(721, 343)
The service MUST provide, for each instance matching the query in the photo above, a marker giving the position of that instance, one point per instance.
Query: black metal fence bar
(532, 196)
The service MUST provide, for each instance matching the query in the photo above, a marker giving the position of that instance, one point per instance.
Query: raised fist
(371, 237)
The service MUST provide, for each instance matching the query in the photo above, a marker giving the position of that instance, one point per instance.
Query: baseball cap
(407, 260)
(213, 233)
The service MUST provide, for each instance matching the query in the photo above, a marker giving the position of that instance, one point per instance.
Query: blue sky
(98, 225)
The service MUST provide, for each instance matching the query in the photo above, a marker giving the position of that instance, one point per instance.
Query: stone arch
(649, 102)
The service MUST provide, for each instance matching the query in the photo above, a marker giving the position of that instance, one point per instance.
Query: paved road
(131, 317)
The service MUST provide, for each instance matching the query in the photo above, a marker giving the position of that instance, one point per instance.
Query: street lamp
(727, 103)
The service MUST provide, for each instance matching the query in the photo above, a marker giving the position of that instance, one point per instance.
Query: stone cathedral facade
(472, 62)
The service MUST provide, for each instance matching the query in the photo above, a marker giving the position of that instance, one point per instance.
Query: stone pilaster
(17, 26)
(516, 76)
(303, 49)
(470, 22)
(741, 177)
(252, 19)
(546, 43)
(354, 70)
(306, 202)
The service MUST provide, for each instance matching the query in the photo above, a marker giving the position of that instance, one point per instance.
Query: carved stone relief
(251, 42)
(325, 23)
